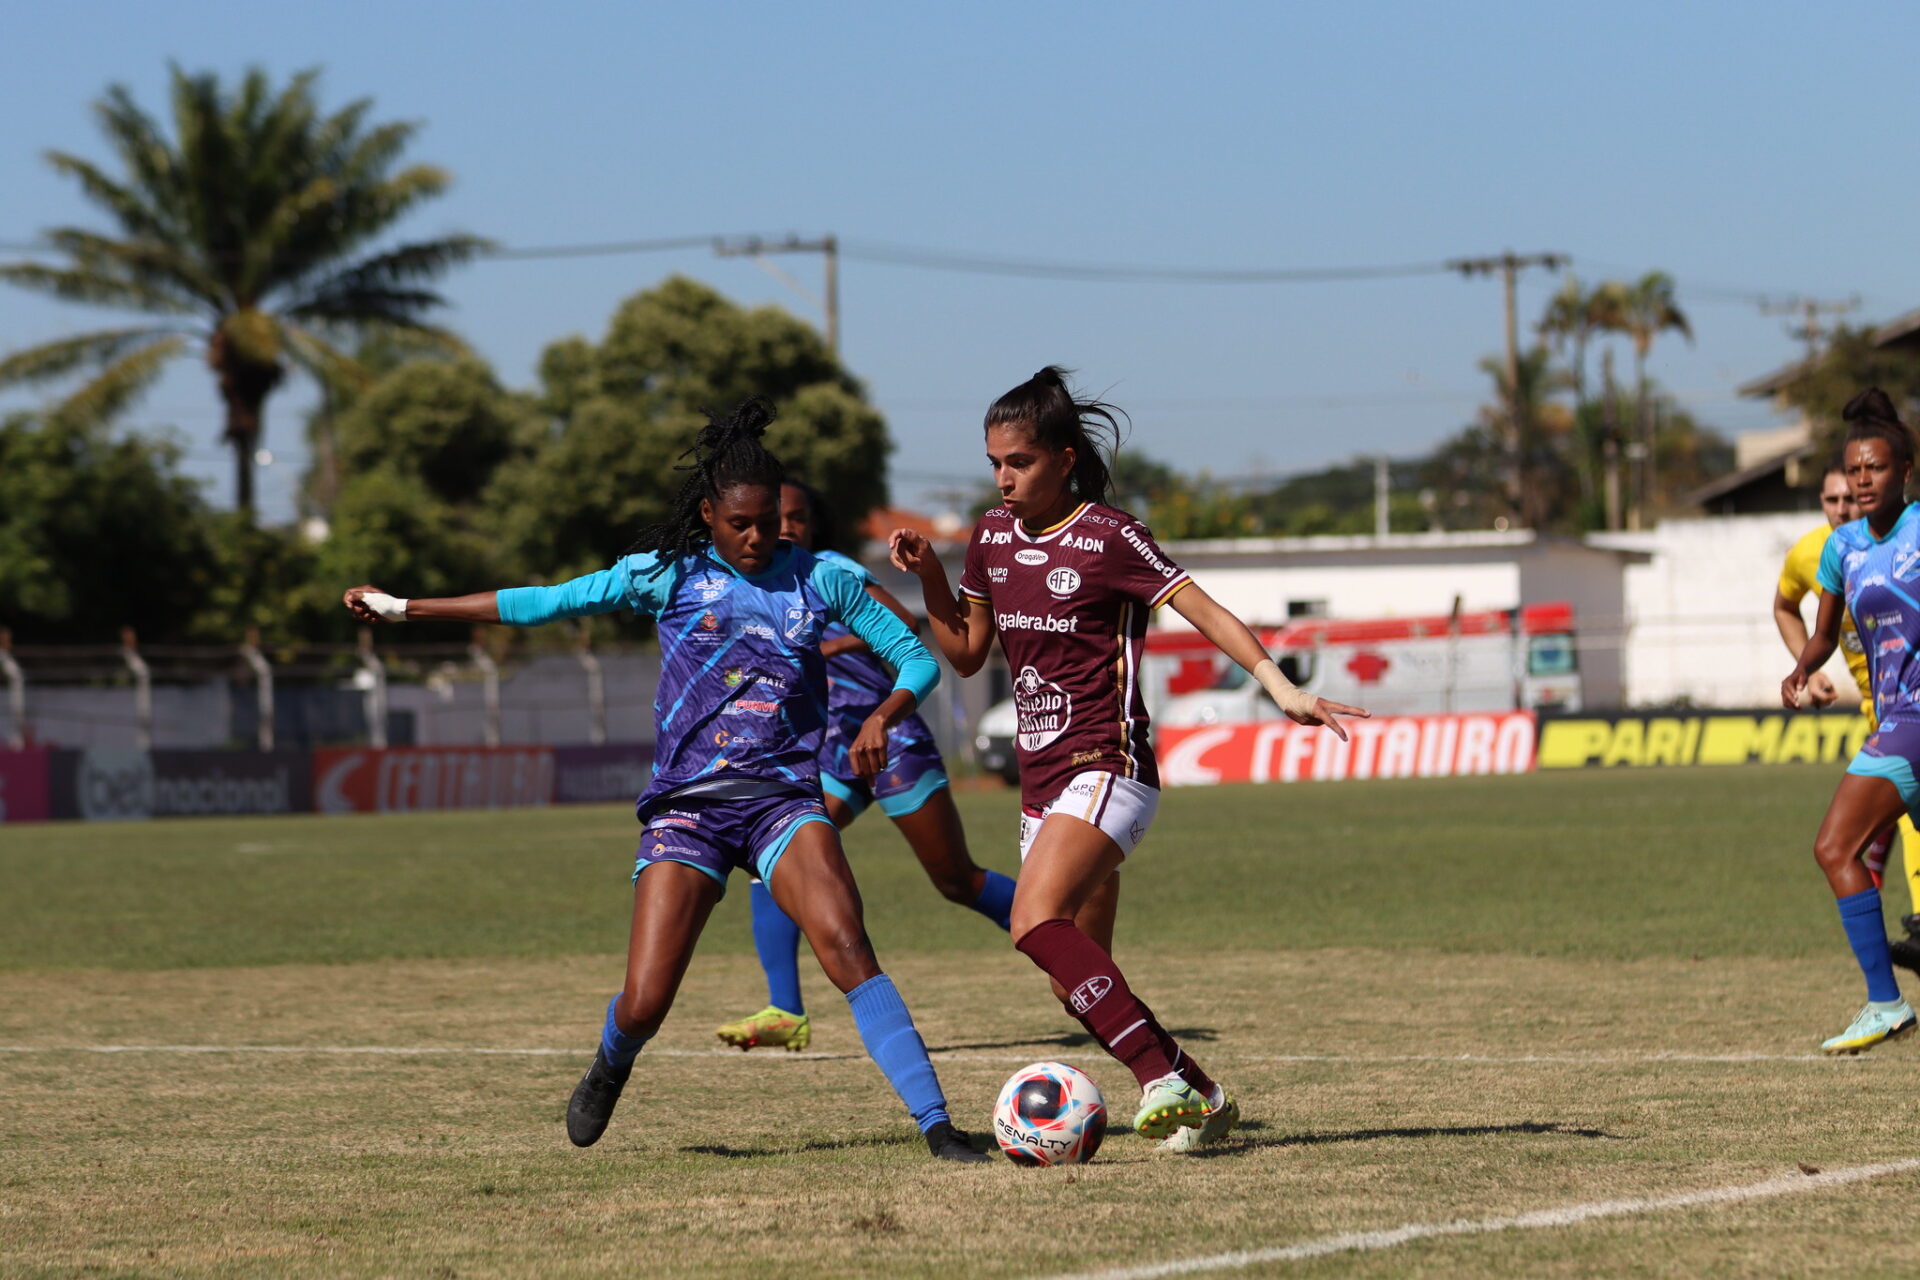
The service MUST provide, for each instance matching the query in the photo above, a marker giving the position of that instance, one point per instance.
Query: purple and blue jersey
(1880, 580)
(857, 682)
(742, 707)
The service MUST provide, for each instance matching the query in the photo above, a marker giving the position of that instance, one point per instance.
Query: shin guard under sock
(1098, 994)
(776, 940)
(1867, 934)
(886, 1028)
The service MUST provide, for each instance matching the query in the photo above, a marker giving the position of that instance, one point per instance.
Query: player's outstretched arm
(1231, 636)
(371, 604)
(1819, 647)
(962, 628)
(604, 592)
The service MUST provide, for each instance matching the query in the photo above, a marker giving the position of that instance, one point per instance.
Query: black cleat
(592, 1103)
(949, 1143)
(1905, 952)
(1911, 924)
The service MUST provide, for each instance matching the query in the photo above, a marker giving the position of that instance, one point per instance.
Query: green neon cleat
(1167, 1104)
(772, 1028)
(1223, 1113)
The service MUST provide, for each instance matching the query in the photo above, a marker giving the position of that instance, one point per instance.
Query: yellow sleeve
(1800, 574)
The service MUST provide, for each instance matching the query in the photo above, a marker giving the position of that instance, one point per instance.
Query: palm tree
(1643, 311)
(1526, 414)
(1568, 324)
(248, 235)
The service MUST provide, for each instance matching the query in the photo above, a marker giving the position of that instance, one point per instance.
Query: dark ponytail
(1048, 410)
(1871, 416)
(726, 453)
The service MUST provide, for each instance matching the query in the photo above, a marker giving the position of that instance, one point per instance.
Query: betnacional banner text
(412, 779)
(23, 785)
(1441, 746)
(116, 784)
(1612, 740)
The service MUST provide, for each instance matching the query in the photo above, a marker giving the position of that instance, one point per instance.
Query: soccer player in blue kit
(1871, 569)
(739, 718)
(912, 790)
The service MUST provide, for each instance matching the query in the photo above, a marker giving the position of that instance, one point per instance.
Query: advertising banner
(593, 775)
(1390, 747)
(1699, 737)
(23, 785)
(108, 784)
(412, 779)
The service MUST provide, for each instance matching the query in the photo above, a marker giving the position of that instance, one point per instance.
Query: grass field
(346, 1046)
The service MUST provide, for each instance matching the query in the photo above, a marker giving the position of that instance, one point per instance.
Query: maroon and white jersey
(1071, 605)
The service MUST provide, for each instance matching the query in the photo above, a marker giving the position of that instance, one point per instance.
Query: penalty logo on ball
(1049, 1114)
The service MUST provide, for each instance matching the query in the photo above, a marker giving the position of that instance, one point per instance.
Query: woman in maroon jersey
(1068, 582)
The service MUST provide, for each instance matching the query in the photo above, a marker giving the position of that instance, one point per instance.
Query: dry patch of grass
(1362, 1114)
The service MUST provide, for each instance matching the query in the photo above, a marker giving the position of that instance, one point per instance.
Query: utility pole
(1509, 265)
(1809, 330)
(828, 246)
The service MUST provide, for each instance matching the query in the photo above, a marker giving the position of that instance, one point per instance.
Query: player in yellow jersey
(1796, 583)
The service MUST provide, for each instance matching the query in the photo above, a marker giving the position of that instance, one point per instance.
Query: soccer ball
(1049, 1113)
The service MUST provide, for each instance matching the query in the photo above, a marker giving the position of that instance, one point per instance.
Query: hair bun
(1050, 377)
(1871, 405)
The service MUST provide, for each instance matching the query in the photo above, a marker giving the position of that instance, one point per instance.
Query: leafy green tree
(623, 411)
(97, 533)
(248, 234)
(1850, 363)
(419, 451)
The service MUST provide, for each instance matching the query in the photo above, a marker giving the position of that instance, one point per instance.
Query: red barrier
(410, 779)
(23, 785)
(1389, 747)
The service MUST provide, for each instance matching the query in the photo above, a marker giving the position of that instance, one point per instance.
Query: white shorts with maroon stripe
(1121, 807)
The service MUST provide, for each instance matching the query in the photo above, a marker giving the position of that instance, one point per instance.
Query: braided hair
(726, 453)
(1057, 419)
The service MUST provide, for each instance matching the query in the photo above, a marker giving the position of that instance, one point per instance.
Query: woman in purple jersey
(738, 719)
(1868, 569)
(912, 790)
(1067, 582)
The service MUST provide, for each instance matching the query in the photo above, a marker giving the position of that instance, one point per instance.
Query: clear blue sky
(1746, 148)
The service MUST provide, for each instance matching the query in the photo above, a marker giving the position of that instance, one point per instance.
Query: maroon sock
(1189, 1070)
(1099, 996)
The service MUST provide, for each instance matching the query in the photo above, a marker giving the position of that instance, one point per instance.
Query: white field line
(1564, 1216)
(945, 1055)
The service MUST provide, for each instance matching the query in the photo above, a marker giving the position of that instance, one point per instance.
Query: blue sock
(996, 899)
(619, 1047)
(777, 939)
(886, 1028)
(1867, 934)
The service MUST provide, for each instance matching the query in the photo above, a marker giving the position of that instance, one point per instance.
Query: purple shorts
(718, 835)
(914, 772)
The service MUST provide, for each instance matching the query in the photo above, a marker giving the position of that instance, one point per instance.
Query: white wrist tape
(1287, 695)
(389, 607)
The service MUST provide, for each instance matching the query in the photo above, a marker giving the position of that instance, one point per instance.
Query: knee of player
(955, 884)
(1831, 851)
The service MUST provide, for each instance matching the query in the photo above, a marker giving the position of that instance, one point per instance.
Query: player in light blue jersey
(739, 719)
(912, 790)
(1871, 569)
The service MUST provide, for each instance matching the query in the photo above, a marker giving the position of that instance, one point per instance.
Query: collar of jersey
(1052, 529)
(1906, 514)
